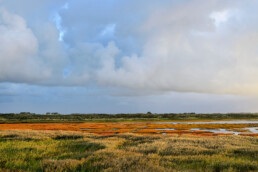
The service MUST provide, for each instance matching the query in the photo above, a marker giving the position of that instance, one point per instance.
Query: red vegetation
(139, 128)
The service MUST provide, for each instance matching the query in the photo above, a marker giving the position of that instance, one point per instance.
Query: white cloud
(18, 47)
(220, 17)
(147, 45)
(174, 59)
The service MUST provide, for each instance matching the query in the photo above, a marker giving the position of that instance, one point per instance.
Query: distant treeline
(55, 117)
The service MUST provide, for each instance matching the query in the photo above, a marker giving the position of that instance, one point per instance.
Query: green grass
(37, 118)
(72, 151)
(29, 154)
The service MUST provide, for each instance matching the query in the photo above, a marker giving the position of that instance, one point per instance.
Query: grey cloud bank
(130, 49)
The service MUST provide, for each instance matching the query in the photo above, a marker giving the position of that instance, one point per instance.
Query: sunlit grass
(30, 150)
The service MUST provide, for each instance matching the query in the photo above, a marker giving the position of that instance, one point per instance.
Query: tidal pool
(217, 130)
(222, 130)
(211, 122)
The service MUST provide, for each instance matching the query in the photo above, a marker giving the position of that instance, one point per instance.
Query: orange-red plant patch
(249, 134)
(238, 130)
(140, 128)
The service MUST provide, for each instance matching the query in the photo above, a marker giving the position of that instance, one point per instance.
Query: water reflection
(220, 130)
(212, 122)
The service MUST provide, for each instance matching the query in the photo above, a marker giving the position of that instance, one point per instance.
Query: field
(142, 145)
(30, 150)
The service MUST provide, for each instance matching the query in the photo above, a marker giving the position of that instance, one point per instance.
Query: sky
(128, 56)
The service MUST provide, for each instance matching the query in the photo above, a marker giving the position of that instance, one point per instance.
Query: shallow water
(220, 130)
(251, 130)
(212, 122)
(165, 129)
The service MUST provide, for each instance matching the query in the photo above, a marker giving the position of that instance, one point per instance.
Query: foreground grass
(23, 150)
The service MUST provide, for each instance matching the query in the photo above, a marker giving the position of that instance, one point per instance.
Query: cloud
(187, 51)
(183, 46)
(18, 46)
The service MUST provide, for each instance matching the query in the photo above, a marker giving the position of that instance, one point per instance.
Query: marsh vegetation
(28, 150)
(142, 128)
(55, 117)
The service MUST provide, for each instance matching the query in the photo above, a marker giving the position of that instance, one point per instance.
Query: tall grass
(72, 151)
